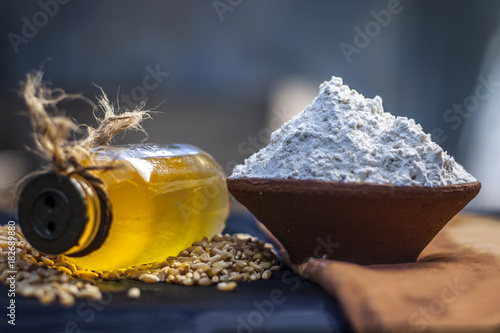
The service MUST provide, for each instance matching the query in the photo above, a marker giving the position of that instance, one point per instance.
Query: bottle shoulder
(146, 151)
(154, 163)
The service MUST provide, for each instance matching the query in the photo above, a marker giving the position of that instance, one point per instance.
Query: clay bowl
(354, 222)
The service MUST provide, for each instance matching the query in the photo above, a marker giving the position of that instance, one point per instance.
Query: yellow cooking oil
(163, 198)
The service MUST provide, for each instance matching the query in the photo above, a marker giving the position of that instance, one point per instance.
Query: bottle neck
(61, 214)
(94, 217)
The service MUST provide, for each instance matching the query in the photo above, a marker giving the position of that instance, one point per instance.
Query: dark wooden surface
(285, 303)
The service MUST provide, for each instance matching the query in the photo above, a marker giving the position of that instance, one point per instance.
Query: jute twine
(52, 133)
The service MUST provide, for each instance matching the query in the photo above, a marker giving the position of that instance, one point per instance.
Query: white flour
(343, 136)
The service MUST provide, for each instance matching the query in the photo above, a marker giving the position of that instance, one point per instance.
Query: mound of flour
(343, 136)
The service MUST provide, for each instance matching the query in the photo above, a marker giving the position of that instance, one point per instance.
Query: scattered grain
(204, 281)
(223, 260)
(149, 278)
(134, 292)
(47, 261)
(226, 286)
(266, 275)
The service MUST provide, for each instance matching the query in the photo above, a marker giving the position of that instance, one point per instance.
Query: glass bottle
(160, 200)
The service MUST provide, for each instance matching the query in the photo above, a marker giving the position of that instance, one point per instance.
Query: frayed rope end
(51, 132)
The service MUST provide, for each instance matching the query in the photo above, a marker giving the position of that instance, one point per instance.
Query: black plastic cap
(52, 212)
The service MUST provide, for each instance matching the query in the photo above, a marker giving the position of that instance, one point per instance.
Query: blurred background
(224, 73)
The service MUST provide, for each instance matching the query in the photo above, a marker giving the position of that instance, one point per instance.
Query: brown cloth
(453, 287)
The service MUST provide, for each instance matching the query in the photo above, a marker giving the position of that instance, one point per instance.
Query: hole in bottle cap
(50, 201)
(52, 214)
(51, 227)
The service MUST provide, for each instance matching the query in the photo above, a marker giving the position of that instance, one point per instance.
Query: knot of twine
(52, 132)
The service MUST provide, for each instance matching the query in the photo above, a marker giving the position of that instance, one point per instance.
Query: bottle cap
(52, 212)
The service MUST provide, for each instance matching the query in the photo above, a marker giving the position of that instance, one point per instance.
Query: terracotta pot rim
(279, 185)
